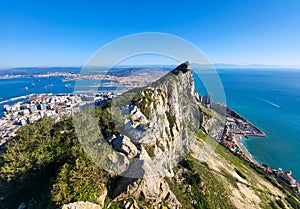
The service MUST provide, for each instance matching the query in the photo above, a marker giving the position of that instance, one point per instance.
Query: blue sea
(269, 98)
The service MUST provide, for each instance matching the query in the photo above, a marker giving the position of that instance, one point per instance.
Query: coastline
(15, 98)
(238, 137)
(242, 147)
(237, 127)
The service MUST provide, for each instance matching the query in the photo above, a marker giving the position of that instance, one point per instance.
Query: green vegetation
(280, 204)
(149, 149)
(273, 205)
(240, 173)
(145, 108)
(201, 135)
(252, 174)
(293, 202)
(206, 110)
(105, 120)
(33, 158)
(144, 99)
(79, 181)
(172, 121)
(277, 204)
(206, 188)
(44, 167)
(159, 145)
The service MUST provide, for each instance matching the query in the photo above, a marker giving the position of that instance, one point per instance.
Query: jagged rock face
(213, 126)
(161, 117)
(153, 191)
(157, 124)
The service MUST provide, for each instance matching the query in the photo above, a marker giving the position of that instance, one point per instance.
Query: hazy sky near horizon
(67, 33)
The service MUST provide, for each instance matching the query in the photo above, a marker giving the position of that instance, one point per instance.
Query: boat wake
(271, 103)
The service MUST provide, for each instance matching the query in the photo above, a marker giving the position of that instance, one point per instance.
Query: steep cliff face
(157, 123)
(162, 118)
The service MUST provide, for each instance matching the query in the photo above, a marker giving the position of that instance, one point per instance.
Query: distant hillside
(38, 70)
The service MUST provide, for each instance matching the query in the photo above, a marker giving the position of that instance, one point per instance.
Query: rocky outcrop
(81, 205)
(214, 126)
(124, 145)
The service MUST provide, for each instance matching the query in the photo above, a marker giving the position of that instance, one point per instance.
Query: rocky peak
(183, 68)
(157, 125)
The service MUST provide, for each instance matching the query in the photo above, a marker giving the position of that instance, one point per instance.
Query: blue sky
(67, 33)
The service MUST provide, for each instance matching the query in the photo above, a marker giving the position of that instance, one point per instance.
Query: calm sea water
(268, 98)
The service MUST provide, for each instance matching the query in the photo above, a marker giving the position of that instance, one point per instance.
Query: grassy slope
(227, 180)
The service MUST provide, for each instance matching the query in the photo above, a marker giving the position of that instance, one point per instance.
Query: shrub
(280, 203)
(149, 149)
(171, 119)
(293, 202)
(240, 174)
(273, 205)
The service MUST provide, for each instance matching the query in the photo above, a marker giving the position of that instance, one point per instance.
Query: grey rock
(81, 205)
(123, 144)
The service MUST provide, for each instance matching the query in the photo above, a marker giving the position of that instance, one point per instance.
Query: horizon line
(216, 65)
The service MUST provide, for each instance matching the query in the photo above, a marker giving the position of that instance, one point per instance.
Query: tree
(81, 180)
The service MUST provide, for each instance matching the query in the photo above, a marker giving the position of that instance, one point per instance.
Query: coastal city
(36, 106)
(32, 107)
(232, 140)
(39, 75)
(237, 127)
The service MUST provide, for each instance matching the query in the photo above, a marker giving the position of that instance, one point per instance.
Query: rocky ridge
(158, 123)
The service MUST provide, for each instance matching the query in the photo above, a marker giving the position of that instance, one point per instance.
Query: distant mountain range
(222, 65)
(77, 69)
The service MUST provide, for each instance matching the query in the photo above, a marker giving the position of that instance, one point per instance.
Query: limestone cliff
(155, 129)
